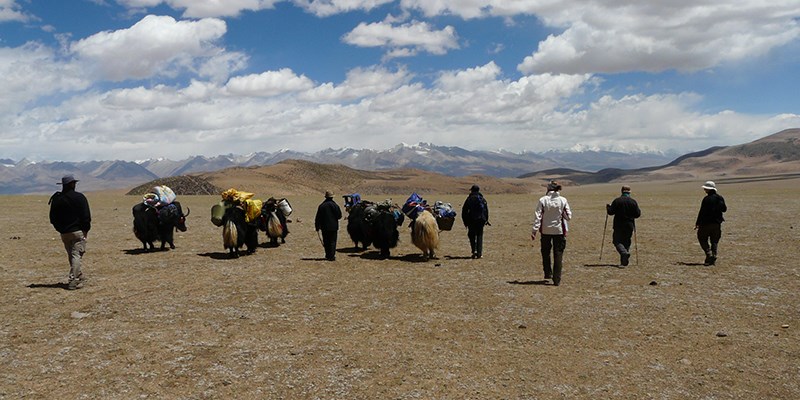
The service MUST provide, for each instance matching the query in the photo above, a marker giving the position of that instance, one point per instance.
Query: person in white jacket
(550, 219)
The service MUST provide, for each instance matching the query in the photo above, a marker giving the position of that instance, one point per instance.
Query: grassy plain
(284, 323)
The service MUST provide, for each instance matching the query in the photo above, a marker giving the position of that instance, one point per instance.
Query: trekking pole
(604, 238)
(636, 245)
(320, 239)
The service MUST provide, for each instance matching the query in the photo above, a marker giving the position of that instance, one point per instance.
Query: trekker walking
(550, 218)
(625, 211)
(70, 216)
(709, 222)
(327, 221)
(475, 215)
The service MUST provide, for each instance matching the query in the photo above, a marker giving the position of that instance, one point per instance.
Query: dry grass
(283, 323)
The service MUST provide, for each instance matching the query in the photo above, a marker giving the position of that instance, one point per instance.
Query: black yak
(383, 223)
(145, 225)
(170, 218)
(233, 230)
(151, 224)
(357, 226)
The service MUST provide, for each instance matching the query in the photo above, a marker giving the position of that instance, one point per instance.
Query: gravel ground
(284, 323)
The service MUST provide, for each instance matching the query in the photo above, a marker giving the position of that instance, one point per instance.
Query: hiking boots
(76, 284)
(711, 258)
(624, 259)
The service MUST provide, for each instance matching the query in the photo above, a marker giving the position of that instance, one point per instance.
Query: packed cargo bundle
(445, 215)
(165, 194)
(236, 196)
(414, 205)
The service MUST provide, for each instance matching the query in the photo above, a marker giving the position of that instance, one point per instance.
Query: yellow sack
(252, 210)
(236, 196)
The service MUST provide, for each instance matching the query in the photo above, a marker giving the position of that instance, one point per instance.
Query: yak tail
(274, 227)
(230, 236)
(425, 234)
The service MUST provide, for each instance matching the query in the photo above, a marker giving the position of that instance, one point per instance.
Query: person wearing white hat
(70, 215)
(550, 218)
(709, 222)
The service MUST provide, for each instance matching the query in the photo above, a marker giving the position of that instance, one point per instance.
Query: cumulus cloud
(270, 83)
(205, 8)
(32, 71)
(326, 8)
(409, 38)
(11, 11)
(610, 36)
(156, 45)
(360, 82)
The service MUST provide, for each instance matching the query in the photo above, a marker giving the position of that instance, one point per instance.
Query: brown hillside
(295, 177)
(776, 154)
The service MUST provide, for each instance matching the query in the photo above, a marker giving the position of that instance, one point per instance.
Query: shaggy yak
(233, 230)
(358, 227)
(151, 224)
(273, 222)
(425, 234)
(383, 225)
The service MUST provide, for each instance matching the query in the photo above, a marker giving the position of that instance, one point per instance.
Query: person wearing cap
(70, 216)
(327, 221)
(550, 218)
(625, 211)
(475, 215)
(709, 222)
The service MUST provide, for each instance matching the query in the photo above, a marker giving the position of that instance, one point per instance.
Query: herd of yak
(368, 223)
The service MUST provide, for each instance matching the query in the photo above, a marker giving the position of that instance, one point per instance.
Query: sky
(136, 79)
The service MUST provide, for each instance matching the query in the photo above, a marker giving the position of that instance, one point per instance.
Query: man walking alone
(327, 221)
(475, 215)
(709, 222)
(550, 218)
(625, 211)
(70, 215)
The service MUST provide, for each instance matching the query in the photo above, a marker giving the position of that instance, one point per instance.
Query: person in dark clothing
(70, 216)
(475, 215)
(327, 221)
(709, 222)
(625, 211)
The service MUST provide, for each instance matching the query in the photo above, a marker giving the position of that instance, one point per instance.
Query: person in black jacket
(709, 222)
(70, 216)
(475, 215)
(327, 221)
(625, 211)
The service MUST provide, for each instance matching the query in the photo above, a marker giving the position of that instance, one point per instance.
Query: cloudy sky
(134, 79)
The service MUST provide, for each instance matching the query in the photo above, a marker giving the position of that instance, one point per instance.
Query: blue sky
(135, 79)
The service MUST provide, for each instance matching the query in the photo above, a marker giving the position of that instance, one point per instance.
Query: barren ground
(284, 323)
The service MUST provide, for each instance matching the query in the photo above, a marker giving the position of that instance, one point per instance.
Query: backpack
(477, 209)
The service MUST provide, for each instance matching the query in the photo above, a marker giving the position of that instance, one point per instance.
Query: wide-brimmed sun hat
(710, 185)
(67, 179)
(328, 194)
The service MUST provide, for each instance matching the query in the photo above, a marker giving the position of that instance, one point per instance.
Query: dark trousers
(329, 242)
(708, 236)
(475, 235)
(556, 244)
(622, 241)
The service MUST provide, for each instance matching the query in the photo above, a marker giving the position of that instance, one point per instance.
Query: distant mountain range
(17, 177)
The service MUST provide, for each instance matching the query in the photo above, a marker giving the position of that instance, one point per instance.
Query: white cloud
(11, 11)
(270, 83)
(156, 45)
(32, 71)
(618, 36)
(205, 8)
(472, 108)
(324, 8)
(408, 38)
(360, 82)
